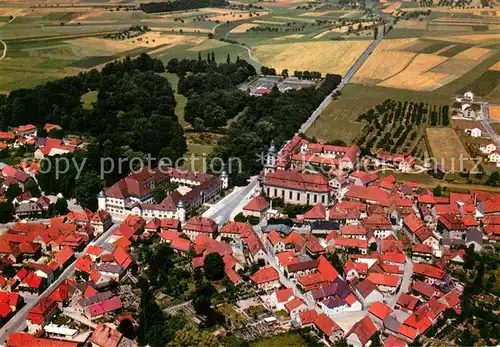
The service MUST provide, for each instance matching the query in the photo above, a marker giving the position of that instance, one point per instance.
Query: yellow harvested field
(473, 53)
(494, 112)
(416, 75)
(495, 67)
(448, 150)
(149, 40)
(11, 11)
(208, 44)
(234, 17)
(243, 28)
(325, 57)
(411, 24)
(444, 49)
(288, 37)
(320, 35)
(392, 7)
(381, 65)
(475, 39)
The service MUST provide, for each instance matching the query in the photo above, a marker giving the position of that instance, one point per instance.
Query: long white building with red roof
(134, 193)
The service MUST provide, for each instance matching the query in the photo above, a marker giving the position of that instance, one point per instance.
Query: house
(362, 178)
(105, 336)
(25, 130)
(422, 253)
(327, 328)
(236, 231)
(431, 274)
(133, 194)
(199, 226)
(475, 132)
(294, 307)
(368, 292)
(361, 333)
(40, 314)
(378, 312)
(423, 289)
(379, 224)
(99, 309)
(266, 278)
(354, 232)
(280, 297)
(474, 236)
(274, 243)
(306, 318)
(488, 149)
(407, 302)
(451, 226)
(384, 282)
(19, 339)
(257, 207)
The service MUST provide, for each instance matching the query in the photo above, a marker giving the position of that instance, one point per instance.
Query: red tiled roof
(371, 193)
(351, 229)
(264, 275)
(380, 310)
(326, 324)
(393, 341)
(421, 248)
(105, 336)
(351, 243)
(308, 317)
(24, 340)
(64, 255)
(364, 177)
(318, 211)
(313, 281)
(273, 237)
(240, 228)
(413, 223)
(284, 294)
(393, 257)
(106, 306)
(293, 304)
(428, 270)
(257, 204)
(423, 288)
(60, 293)
(407, 301)
(201, 225)
(364, 330)
(84, 264)
(383, 279)
(407, 331)
(181, 244)
(327, 269)
(298, 181)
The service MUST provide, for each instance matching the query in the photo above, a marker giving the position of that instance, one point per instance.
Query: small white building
(494, 157)
(488, 149)
(476, 132)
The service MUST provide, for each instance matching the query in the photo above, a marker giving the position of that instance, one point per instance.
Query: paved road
(344, 81)
(487, 126)
(4, 49)
(225, 208)
(405, 283)
(18, 322)
(283, 279)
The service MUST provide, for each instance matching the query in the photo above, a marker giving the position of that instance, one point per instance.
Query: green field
(291, 339)
(338, 121)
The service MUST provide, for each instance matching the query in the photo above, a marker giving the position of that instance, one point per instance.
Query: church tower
(270, 165)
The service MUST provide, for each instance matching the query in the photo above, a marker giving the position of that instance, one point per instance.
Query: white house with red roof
(266, 278)
(280, 297)
(257, 207)
(133, 194)
(361, 333)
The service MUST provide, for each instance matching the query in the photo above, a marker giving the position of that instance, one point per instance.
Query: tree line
(180, 5)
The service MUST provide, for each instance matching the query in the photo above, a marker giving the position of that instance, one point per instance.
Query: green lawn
(180, 99)
(291, 339)
(338, 121)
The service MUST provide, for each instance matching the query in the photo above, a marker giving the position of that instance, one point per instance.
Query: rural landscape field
(430, 54)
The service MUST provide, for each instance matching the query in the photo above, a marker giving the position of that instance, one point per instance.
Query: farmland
(447, 149)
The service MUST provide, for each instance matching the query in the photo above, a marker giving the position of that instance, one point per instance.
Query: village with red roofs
(337, 255)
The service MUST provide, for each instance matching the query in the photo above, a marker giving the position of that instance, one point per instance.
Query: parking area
(264, 84)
